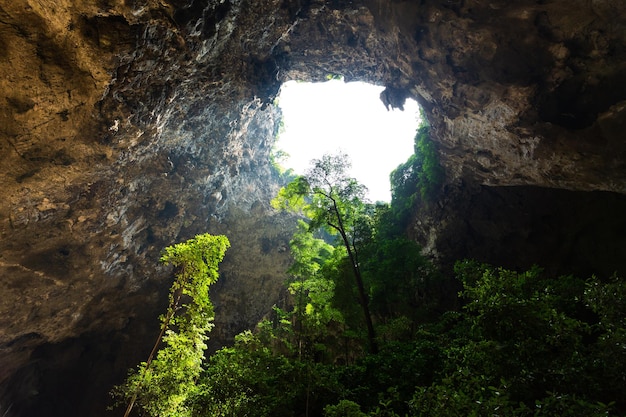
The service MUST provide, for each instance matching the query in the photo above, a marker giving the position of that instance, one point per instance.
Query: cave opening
(337, 116)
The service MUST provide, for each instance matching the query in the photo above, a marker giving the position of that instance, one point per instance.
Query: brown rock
(128, 126)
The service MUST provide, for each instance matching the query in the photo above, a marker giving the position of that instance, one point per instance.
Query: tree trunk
(371, 334)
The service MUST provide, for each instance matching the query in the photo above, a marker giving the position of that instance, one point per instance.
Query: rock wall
(126, 126)
(122, 133)
(563, 231)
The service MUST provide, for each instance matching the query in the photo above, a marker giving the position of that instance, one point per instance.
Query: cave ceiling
(127, 125)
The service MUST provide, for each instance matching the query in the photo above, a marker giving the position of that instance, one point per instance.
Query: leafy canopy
(326, 195)
(335, 202)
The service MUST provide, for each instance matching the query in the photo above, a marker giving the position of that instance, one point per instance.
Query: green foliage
(253, 379)
(332, 201)
(196, 261)
(608, 301)
(293, 197)
(525, 345)
(398, 277)
(420, 177)
(387, 380)
(313, 313)
(325, 195)
(468, 395)
(163, 385)
(279, 156)
(345, 408)
(430, 175)
(463, 395)
(345, 296)
(522, 344)
(248, 380)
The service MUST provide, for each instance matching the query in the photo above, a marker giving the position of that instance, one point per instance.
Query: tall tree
(333, 201)
(313, 292)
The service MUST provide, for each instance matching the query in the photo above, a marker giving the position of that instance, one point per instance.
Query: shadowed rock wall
(126, 126)
(563, 231)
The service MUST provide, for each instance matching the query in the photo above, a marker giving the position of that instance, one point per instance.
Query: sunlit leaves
(309, 253)
(326, 195)
(293, 197)
(334, 202)
(163, 386)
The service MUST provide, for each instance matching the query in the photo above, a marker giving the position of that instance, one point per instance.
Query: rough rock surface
(126, 126)
(563, 231)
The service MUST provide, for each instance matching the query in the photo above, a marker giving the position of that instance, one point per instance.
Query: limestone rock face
(122, 134)
(126, 126)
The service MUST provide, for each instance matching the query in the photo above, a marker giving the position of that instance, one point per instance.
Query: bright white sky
(336, 116)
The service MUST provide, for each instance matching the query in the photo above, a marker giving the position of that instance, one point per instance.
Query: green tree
(334, 201)
(253, 379)
(162, 385)
(313, 291)
(345, 408)
(529, 345)
(398, 276)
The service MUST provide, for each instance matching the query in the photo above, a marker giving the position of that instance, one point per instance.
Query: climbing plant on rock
(164, 384)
